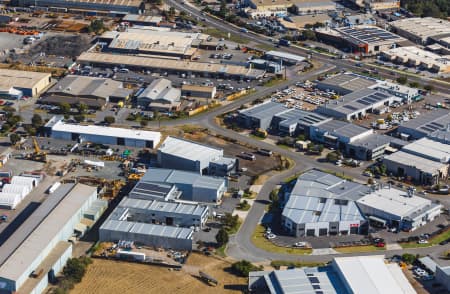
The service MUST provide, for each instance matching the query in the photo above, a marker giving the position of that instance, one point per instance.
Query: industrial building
(277, 117)
(386, 206)
(182, 154)
(377, 5)
(198, 92)
(442, 136)
(151, 42)
(12, 194)
(39, 248)
(92, 91)
(162, 65)
(284, 57)
(157, 236)
(416, 57)
(357, 104)
(425, 124)
(169, 184)
(361, 39)
(405, 93)
(142, 20)
(89, 7)
(58, 129)
(322, 204)
(267, 8)
(17, 83)
(422, 30)
(443, 276)
(345, 275)
(338, 134)
(346, 83)
(370, 147)
(160, 95)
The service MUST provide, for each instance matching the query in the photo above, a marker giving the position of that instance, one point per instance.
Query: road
(345, 64)
(240, 245)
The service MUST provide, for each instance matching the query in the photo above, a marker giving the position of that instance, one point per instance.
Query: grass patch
(339, 175)
(256, 137)
(356, 249)
(243, 206)
(278, 263)
(221, 250)
(273, 82)
(222, 34)
(414, 245)
(284, 146)
(265, 47)
(260, 241)
(234, 229)
(432, 241)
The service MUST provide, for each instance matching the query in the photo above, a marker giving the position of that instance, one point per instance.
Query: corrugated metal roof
(147, 229)
(189, 150)
(264, 110)
(147, 206)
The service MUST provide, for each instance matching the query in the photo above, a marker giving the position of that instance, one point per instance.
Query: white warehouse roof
(371, 275)
(190, 150)
(108, 131)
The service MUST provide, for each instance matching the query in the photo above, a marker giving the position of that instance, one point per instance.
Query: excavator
(38, 154)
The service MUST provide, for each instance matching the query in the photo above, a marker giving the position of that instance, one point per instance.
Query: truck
(284, 42)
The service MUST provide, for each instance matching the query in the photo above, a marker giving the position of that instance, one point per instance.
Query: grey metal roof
(285, 55)
(428, 122)
(373, 141)
(84, 86)
(298, 116)
(428, 263)
(189, 149)
(348, 81)
(441, 136)
(369, 34)
(342, 128)
(425, 165)
(313, 198)
(264, 110)
(161, 89)
(149, 206)
(429, 149)
(152, 190)
(147, 229)
(358, 100)
(172, 176)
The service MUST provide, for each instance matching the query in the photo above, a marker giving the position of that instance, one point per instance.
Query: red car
(380, 244)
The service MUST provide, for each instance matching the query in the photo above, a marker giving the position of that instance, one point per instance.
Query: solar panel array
(369, 34)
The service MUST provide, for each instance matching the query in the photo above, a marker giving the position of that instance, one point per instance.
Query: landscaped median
(358, 249)
(261, 242)
(435, 240)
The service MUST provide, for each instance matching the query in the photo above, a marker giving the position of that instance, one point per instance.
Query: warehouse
(267, 8)
(14, 193)
(407, 94)
(443, 276)
(156, 236)
(198, 92)
(191, 185)
(284, 57)
(338, 134)
(422, 30)
(416, 57)
(187, 155)
(363, 39)
(425, 124)
(442, 136)
(90, 7)
(419, 169)
(160, 95)
(155, 191)
(16, 83)
(399, 209)
(150, 42)
(161, 213)
(92, 91)
(322, 204)
(38, 249)
(162, 65)
(429, 149)
(143, 20)
(356, 104)
(370, 147)
(345, 275)
(58, 129)
(346, 83)
(295, 121)
(261, 116)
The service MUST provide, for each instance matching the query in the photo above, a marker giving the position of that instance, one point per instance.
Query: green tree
(308, 35)
(383, 169)
(97, 26)
(223, 9)
(9, 109)
(222, 237)
(402, 80)
(109, 119)
(82, 108)
(244, 267)
(64, 107)
(414, 84)
(293, 9)
(37, 121)
(79, 117)
(172, 11)
(74, 269)
(14, 138)
(143, 123)
(409, 258)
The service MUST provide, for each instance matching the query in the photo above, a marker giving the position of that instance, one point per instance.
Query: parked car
(271, 236)
(422, 241)
(300, 244)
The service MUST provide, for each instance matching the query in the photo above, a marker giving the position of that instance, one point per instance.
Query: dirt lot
(65, 45)
(110, 277)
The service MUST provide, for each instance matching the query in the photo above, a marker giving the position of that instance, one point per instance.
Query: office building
(416, 57)
(322, 204)
(198, 92)
(182, 154)
(267, 8)
(14, 84)
(161, 96)
(386, 206)
(58, 129)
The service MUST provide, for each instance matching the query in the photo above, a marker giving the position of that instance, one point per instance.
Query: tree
(222, 237)
(428, 88)
(97, 26)
(14, 138)
(409, 258)
(9, 109)
(82, 108)
(383, 169)
(244, 267)
(223, 9)
(402, 80)
(293, 9)
(37, 121)
(74, 269)
(79, 117)
(172, 11)
(144, 123)
(109, 119)
(414, 84)
(64, 107)
(309, 35)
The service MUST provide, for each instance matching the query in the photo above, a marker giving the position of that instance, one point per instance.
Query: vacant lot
(111, 277)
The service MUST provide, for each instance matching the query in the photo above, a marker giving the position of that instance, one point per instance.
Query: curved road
(240, 245)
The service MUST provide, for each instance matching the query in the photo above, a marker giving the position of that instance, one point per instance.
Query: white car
(300, 244)
(271, 236)
(422, 241)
